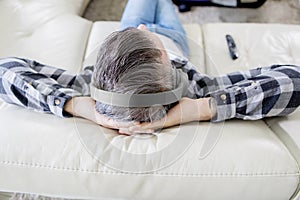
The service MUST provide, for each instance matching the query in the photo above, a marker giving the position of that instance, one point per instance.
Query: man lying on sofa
(136, 87)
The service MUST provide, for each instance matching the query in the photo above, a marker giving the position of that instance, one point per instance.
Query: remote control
(232, 47)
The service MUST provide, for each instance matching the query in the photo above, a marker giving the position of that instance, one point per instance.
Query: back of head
(130, 63)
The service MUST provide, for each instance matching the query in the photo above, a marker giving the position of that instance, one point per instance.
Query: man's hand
(85, 107)
(187, 110)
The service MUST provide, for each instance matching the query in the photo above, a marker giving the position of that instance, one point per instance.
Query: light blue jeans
(159, 16)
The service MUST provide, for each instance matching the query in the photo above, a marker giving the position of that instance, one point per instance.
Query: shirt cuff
(225, 105)
(58, 101)
(56, 105)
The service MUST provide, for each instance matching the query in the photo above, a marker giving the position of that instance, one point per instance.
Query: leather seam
(220, 174)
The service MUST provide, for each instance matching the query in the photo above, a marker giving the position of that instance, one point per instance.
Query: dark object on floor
(185, 5)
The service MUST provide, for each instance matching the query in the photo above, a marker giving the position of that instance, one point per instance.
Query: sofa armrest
(84, 5)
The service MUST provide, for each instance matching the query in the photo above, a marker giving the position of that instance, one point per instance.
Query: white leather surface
(195, 41)
(287, 129)
(100, 30)
(258, 45)
(46, 31)
(249, 161)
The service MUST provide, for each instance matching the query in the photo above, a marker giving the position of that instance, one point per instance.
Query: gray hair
(129, 62)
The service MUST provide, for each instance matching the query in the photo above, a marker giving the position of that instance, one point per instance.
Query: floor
(273, 11)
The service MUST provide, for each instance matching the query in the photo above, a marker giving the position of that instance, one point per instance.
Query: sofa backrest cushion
(49, 31)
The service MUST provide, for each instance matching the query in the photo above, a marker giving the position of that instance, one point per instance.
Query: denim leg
(166, 16)
(138, 12)
(159, 16)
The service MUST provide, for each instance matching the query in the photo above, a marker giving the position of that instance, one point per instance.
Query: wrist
(206, 108)
(81, 107)
(68, 107)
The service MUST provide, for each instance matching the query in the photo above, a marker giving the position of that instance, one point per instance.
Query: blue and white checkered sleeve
(250, 95)
(23, 83)
(265, 92)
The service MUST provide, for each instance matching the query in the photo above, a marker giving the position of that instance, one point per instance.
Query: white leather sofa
(74, 158)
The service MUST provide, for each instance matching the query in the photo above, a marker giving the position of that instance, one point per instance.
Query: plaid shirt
(253, 94)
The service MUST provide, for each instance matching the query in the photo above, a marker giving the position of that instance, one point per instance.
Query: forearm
(81, 107)
(205, 108)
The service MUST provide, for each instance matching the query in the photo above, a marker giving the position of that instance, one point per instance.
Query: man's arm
(251, 95)
(50, 90)
(39, 87)
(187, 110)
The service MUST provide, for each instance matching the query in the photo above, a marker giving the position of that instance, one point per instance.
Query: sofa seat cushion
(50, 32)
(70, 158)
(287, 129)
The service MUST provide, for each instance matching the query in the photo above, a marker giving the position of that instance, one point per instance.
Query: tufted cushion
(46, 31)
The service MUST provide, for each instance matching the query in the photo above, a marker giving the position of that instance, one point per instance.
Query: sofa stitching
(217, 174)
